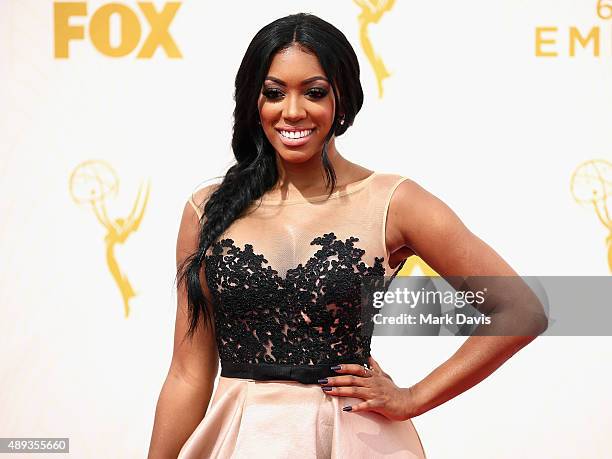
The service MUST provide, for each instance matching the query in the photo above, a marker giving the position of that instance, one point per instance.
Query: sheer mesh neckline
(346, 189)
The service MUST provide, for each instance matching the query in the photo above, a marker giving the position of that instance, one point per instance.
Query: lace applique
(312, 316)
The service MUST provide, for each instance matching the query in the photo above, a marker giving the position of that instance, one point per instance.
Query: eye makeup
(274, 93)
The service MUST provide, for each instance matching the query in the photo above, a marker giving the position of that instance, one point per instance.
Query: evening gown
(285, 279)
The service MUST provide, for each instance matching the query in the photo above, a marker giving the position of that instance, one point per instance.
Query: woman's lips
(295, 142)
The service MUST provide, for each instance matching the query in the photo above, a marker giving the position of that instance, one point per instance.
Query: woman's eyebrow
(306, 81)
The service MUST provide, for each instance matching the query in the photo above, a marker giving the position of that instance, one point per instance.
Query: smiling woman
(245, 263)
(272, 259)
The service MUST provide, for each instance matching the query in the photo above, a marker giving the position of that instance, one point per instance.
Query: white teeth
(295, 134)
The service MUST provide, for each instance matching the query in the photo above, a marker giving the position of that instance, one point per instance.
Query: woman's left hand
(376, 388)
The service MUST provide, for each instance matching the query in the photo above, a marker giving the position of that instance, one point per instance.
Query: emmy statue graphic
(91, 183)
(371, 12)
(591, 184)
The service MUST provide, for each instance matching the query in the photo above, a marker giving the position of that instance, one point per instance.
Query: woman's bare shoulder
(411, 194)
(197, 200)
(432, 230)
(201, 195)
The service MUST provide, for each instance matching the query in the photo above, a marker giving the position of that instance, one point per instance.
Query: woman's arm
(419, 221)
(188, 387)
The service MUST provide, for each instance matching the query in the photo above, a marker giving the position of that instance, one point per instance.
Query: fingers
(349, 385)
(346, 380)
(353, 368)
(362, 406)
(347, 391)
(367, 385)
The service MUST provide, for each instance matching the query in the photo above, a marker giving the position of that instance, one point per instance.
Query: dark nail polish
(322, 381)
(336, 367)
(347, 408)
(326, 388)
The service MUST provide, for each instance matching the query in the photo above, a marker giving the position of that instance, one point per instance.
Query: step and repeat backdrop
(113, 113)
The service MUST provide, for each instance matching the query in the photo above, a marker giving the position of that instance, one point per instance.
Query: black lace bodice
(311, 316)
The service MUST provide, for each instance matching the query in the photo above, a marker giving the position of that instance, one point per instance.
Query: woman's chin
(294, 155)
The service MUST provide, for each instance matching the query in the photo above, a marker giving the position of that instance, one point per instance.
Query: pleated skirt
(276, 419)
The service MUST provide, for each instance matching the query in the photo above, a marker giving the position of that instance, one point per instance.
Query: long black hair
(255, 170)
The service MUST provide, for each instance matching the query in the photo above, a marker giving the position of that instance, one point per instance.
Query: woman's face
(296, 105)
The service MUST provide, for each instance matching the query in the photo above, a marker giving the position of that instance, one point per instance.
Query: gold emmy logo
(371, 12)
(591, 184)
(546, 37)
(130, 28)
(92, 183)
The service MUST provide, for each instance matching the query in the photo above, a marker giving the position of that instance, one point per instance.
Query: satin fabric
(278, 419)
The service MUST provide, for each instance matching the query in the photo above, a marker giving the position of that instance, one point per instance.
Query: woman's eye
(318, 93)
(271, 93)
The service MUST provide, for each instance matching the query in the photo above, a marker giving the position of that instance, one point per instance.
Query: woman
(278, 257)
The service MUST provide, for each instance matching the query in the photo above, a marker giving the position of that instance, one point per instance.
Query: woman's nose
(293, 108)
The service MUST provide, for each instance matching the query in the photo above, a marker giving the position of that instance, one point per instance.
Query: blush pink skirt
(276, 419)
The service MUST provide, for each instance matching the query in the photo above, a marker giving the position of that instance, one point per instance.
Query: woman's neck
(308, 178)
